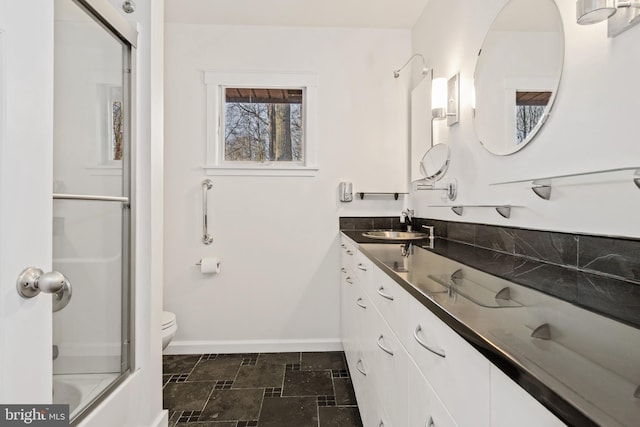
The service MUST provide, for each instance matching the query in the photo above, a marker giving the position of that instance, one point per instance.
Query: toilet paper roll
(210, 265)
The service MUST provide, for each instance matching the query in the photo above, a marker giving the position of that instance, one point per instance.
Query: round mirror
(517, 74)
(435, 162)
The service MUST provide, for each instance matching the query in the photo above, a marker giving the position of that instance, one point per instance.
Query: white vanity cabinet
(410, 369)
(376, 359)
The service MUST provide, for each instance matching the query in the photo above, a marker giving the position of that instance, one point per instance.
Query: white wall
(277, 237)
(593, 126)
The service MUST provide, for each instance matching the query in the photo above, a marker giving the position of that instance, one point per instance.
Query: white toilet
(169, 328)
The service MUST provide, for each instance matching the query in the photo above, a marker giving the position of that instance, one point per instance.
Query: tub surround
(598, 273)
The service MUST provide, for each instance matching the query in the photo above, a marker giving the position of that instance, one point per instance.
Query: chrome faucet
(408, 218)
(430, 228)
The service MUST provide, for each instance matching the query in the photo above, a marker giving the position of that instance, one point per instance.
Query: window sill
(300, 171)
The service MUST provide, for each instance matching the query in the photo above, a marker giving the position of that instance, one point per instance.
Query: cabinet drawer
(363, 388)
(458, 373)
(389, 372)
(425, 409)
(391, 300)
(512, 406)
(362, 267)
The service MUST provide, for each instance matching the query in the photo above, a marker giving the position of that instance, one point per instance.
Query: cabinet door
(512, 406)
(459, 374)
(425, 409)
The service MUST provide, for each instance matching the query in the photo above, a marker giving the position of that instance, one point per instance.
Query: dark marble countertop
(586, 373)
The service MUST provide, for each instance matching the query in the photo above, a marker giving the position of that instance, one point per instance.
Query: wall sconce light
(594, 11)
(425, 70)
(445, 99)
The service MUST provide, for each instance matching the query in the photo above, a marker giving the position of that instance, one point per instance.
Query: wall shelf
(503, 210)
(373, 193)
(542, 186)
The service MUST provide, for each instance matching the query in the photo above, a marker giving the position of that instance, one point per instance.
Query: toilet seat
(169, 328)
(168, 320)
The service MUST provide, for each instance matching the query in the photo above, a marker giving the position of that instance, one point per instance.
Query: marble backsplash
(599, 273)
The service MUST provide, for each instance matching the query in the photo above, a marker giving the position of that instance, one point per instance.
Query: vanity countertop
(585, 370)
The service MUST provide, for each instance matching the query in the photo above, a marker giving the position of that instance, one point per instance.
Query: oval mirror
(435, 162)
(517, 74)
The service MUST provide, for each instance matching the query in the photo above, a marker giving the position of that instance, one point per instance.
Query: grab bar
(60, 196)
(207, 239)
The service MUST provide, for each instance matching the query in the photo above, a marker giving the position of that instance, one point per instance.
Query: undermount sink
(395, 235)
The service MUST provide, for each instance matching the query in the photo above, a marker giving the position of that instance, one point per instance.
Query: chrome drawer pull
(383, 348)
(349, 252)
(359, 302)
(361, 267)
(360, 367)
(348, 280)
(423, 344)
(383, 295)
(430, 423)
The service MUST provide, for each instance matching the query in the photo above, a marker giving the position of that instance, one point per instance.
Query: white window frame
(217, 81)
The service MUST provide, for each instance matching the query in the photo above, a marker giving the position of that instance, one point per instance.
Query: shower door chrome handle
(207, 239)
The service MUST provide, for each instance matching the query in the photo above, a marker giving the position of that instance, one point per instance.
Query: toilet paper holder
(212, 266)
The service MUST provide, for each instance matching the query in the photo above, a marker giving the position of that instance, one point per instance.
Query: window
(261, 124)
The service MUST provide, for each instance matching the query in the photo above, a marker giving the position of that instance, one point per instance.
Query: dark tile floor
(259, 389)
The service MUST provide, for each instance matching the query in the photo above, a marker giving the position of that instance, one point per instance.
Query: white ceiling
(299, 13)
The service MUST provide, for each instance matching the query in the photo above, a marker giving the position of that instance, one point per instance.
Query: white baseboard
(253, 346)
(162, 420)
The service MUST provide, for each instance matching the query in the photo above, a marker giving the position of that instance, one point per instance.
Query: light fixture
(594, 11)
(425, 70)
(439, 98)
(445, 99)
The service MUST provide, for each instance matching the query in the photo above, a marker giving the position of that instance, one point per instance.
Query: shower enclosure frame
(102, 12)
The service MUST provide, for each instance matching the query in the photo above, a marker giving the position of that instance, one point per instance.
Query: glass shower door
(91, 207)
